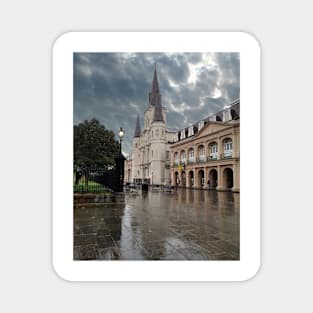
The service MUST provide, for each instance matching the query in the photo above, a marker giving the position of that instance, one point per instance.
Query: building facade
(203, 155)
(150, 157)
(207, 154)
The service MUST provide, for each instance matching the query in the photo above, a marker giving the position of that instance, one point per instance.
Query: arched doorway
(228, 178)
(190, 178)
(201, 178)
(183, 178)
(213, 179)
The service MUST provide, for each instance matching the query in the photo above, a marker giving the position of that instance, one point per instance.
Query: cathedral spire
(155, 83)
(154, 95)
(137, 129)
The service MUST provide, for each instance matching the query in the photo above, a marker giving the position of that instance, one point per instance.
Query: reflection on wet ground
(187, 225)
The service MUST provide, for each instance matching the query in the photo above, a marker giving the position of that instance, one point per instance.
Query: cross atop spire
(137, 129)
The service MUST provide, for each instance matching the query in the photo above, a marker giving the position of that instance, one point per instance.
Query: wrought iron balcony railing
(202, 159)
(212, 157)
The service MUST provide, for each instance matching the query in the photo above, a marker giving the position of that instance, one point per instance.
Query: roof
(234, 108)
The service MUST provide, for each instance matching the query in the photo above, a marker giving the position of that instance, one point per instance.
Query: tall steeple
(154, 95)
(155, 98)
(137, 129)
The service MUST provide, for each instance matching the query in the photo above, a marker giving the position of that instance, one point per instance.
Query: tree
(94, 145)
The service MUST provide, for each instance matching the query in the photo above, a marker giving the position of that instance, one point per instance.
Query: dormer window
(226, 115)
(200, 125)
(190, 131)
(182, 134)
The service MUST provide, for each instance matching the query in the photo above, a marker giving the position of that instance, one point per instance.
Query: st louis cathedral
(203, 155)
(150, 151)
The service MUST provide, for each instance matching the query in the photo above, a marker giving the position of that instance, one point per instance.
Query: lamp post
(121, 135)
(120, 163)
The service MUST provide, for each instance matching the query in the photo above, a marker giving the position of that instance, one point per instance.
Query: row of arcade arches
(190, 179)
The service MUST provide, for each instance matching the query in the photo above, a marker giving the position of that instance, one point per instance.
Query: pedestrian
(208, 184)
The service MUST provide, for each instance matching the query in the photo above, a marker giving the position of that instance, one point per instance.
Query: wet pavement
(187, 225)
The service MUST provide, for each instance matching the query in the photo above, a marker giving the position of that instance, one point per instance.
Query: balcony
(227, 155)
(201, 159)
(213, 157)
(191, 161)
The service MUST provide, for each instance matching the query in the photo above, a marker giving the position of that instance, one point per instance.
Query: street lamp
(120, 163)
(121, 135)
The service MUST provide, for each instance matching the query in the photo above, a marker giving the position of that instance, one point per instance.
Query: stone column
(205, 184)
(220, 148)
(187, 178)
(236, 143)
(219, 179)
(236, 177)
(195, 178)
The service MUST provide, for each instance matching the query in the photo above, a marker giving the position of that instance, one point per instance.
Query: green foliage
(90, 187)
(94, 145)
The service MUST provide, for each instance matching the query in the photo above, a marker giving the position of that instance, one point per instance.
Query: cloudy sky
(114, 87)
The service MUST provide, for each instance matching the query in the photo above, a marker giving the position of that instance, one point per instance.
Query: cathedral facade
(150, 158)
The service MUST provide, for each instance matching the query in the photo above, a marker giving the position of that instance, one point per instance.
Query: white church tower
(158, 131)
(149, 146)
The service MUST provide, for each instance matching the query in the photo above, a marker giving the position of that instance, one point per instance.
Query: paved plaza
(182, 225)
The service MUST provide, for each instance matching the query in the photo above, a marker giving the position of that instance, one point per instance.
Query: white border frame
(63, 50)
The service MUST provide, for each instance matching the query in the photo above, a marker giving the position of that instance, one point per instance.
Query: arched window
(191, 155)
(201, 151)
(228, 147)
(176, 159)
(213, 150)
(183, 156)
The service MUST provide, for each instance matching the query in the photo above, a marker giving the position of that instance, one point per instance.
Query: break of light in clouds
(114, 87)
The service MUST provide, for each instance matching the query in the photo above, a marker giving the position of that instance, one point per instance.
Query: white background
(249, 50)
(28, 30)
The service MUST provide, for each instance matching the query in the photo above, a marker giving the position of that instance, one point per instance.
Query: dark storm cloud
(114, 87)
